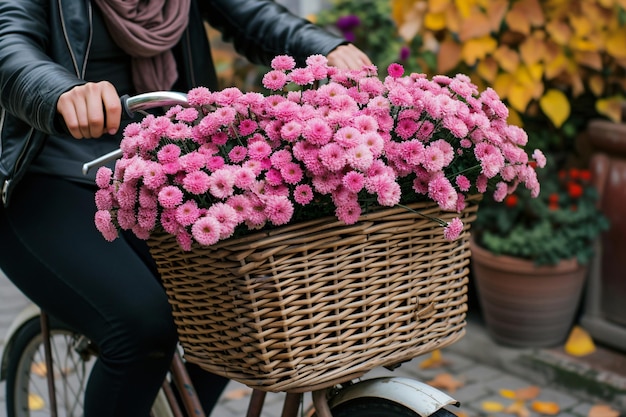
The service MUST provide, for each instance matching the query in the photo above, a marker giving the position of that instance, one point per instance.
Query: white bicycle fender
(29, 312)
(417, 396)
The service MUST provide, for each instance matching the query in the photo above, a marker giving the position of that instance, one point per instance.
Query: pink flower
(283, 63)
(278, 210)
(259, 150)
(395, 70)
(187, 213)
(540, 158)
(349, 212)
(443, 193)
(453, 230)
(274, 80)
(206, 230)
(247, 127)
(463, 183)
(170, 196)
(238, 154)
(199, 96)
(103, 177)
(104, 199)
(291, 173)
(317, 131)
(221, 183)
(227, 217)
(333, 156)
(353, 181)
(197, 182)
(105, 225)
(303, 194)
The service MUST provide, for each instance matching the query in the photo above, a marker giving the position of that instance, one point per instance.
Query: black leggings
(51, 250)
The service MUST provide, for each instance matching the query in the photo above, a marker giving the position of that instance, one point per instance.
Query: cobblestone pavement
(479, 370)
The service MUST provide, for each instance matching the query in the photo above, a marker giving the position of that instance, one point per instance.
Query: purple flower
(347, 23)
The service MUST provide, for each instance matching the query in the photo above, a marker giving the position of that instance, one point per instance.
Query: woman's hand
(91, 110)
(348, 57)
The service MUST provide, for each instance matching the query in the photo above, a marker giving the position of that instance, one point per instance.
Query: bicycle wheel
(379, 407)
(26, 384)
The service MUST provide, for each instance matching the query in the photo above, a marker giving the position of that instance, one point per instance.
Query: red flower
(553, 201)
(585, 175)
(511, 200)
(574, 189)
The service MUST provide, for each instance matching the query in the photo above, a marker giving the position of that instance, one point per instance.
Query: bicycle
(34, 338)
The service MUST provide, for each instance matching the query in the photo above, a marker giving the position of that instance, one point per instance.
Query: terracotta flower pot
(525, 305)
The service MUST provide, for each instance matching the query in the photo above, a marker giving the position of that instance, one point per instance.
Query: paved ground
(477, 370)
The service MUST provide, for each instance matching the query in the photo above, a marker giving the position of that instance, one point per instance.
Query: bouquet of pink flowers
(324, 141)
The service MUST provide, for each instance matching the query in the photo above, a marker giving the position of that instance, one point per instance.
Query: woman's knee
(145, 328)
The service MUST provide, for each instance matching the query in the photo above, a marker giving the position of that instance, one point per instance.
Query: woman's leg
(50, 249)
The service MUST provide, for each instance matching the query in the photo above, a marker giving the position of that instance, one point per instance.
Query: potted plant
(530, 258)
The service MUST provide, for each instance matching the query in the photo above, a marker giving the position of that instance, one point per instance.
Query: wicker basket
(318, 302)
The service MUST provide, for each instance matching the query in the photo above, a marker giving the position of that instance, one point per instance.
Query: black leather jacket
(45, 44)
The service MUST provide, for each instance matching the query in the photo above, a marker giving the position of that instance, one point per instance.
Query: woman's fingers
(90, 110)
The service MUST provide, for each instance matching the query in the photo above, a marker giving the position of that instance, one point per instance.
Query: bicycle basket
(314, 303)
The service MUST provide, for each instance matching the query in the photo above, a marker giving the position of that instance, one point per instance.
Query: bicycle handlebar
(131, 104)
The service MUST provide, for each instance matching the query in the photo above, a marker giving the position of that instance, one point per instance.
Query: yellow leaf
(434, 361)
(518, 408)
(579, 342)
(527, 393)
(488, 69)
(532, 50)
(596, 84)
(39, 369)
(438, 6)
(435, 21)
(616, 44)
(35, 402)
(465, 7)
(559, 32)
(446, 382)
(602, 410)
(580, 24)
(591, 59)
(611, 107)
(515, 118)
(519, 96)
(555, 106)
(477, 49)
(449, 56)
(496, 10)
(507, 393)
(408, 16)
(547, 408)
(503, 84)
(475, 26)
(237, 394)
(518, 21)
(492, 407)
(507, 58)
(534, 11)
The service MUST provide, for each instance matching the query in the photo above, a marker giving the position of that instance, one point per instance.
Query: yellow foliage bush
(540, 56)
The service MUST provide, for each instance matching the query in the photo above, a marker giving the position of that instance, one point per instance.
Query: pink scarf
(147, 30)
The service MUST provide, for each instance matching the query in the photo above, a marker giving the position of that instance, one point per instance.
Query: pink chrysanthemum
(453, 230)
(104, 224)
(206, 231)
(170, 196)
(303, 194)
(187, 213)
(278, 210)
(283, 63)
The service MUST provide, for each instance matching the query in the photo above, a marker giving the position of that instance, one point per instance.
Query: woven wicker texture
(316, 302)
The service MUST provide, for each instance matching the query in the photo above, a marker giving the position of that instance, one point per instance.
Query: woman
(63, 66)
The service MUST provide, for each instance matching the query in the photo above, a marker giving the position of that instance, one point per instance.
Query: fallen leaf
(528, 393)
(237, 394)
(435, 360)
(492, 406)
(446, 382)
(579, 342)
(449, 56)
(518, 408)
(35, 402)
(602, 410)
(39, 369)
(545, 407)
(507, 393)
